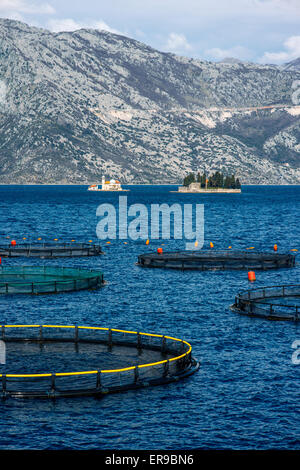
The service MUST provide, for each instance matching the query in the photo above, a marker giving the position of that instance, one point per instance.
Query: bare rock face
(74, 106)
(293, 65)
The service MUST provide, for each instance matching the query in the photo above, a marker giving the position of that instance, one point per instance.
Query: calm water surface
(246, 394)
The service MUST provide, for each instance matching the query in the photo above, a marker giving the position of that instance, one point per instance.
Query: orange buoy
(275, 247)
(13, 242)
(229, 248)
(160, 251)
(147, 242)
(251, 276)
(211, 244)
(196, 243)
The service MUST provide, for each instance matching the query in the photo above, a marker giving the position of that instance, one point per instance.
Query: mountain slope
(76, 105)
(293, 65)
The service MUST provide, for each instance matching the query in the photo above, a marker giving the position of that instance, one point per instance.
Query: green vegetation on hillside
(216, 180)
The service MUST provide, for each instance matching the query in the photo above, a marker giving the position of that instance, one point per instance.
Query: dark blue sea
(245, 395)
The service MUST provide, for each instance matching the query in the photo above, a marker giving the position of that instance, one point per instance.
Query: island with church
(215, 183)
(110, 185)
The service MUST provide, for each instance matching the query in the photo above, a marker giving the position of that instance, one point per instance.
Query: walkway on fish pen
(217, 260)
(273, 302)
(70, 360)
(50, 250)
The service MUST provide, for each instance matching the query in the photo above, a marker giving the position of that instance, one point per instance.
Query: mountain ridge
(76, 105)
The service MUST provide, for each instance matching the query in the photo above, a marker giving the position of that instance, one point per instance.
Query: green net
(47, 279)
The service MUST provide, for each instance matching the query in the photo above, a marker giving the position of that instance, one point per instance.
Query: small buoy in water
(251, 276)
(196, 243)
(294, 249)
(160, 251)
(107, 242)
(211, 244)
(250, 248)
(39, 238)
(147, 242)
(13, 242)
(55, 239)
(90, 241)
(229, 248)
(24, 238)
(275, 247)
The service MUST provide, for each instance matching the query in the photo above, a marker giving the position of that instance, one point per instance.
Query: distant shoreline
(87, 184)
(132, 184)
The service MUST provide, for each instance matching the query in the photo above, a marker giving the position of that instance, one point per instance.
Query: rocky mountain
(293, 65)
(231, 60)
(76, 105)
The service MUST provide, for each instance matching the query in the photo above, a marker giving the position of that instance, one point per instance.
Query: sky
(262, 31)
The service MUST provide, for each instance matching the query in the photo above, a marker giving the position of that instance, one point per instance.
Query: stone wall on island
(196, 188)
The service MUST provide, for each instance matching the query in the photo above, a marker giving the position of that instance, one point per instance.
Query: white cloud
(177, 43)
(291, 52)
(18, 7)
(68, 24)
(237, 52)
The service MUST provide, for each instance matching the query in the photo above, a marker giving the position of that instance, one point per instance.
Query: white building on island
(112, 185)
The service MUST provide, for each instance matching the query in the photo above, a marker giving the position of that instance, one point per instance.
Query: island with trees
(214, 183)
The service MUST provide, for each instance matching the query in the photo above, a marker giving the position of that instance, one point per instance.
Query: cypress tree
(190, 178)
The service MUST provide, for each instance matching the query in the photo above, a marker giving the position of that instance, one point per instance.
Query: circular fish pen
(216, 260)
(272, 303)
(50, 250)
(47, 361)
(47, 279)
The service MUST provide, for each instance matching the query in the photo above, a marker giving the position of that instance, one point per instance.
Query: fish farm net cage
(48, 361)
(273, 303)
(216, 260)
(47, 279)
(50, 250)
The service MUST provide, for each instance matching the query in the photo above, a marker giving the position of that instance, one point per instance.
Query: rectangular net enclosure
(272, 302)
(47, 279)
(49, 361)
(216, 260)
(50, 250)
